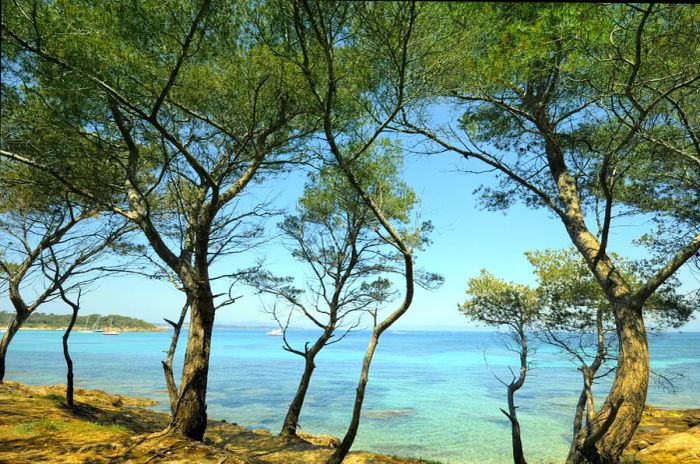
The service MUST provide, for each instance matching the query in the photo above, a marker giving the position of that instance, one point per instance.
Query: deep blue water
(446, 396)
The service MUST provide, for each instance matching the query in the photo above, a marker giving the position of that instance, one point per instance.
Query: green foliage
(328, 192)
(613, 86)
(57, 321)
(156, 109)
(572, 296)
(496, 302)
(335, 235)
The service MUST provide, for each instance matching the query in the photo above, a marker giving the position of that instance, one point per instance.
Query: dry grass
(36, 426)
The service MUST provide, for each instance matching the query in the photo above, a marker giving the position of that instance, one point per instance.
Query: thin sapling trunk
(513, 387)
(516, 307)
(75, 307)
(168, 362)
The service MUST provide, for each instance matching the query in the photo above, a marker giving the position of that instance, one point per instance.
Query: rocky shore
(36, 426)
(666, 436)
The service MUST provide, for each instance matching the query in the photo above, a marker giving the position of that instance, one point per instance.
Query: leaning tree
(590, 112)
(174, 110)
(354, 59)
(49, 243)
(576, 317)
(334, 235)
(513, 309)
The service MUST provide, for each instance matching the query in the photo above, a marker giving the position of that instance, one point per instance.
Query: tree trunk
(190, 416)
(12, 329)
(289, 427)
(607, 435)
(340, 452)
(578, 419)
(518, 454)
(69, 361)
(583, 406)
(168, 363)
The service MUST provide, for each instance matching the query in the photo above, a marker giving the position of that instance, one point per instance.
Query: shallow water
(430, 394)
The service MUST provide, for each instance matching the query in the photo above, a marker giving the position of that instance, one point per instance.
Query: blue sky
(466, 239)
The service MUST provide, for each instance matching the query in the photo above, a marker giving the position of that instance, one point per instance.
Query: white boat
(85, 329)
(96, 327)
(110, 331)
(275, 332)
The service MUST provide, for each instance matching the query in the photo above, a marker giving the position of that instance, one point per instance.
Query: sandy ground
(36, 427)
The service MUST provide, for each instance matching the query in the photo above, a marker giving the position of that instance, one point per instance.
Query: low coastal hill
(43, 321)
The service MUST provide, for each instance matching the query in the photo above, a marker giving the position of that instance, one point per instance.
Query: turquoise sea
(431, 394)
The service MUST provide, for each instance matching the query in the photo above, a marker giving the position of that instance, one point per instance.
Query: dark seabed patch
(384, 414)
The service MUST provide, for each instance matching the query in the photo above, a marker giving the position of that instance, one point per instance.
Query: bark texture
(190, 416)
(340, 452)
(10, 332)
(607, 435)
(291, 420)
(516, 441)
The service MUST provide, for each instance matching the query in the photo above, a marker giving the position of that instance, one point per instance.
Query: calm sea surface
(430, 395)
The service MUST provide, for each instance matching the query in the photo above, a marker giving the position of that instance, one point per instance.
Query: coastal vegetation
(134, 133)
(333, 233)
(568, 311)
(91, 322)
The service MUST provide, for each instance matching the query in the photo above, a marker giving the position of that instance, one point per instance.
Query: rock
(643, 444)
(678, 448)
(263, 432)
(326, 441)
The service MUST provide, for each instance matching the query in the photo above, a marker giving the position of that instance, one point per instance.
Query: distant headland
(89, 323)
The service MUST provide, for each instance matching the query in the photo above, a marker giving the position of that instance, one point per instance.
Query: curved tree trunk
(69, 361)
(12, 329)
(190, 416)
(607, 435)
(514, 386)
(340, 452)
(517, 444)
(291, 420)
(578, 415)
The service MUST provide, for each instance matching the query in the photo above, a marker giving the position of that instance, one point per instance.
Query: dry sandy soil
(36, 426)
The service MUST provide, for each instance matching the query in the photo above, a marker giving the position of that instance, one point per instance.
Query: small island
(90, 322)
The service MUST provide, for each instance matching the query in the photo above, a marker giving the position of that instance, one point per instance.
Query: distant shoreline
(120, 329)
(83, 323)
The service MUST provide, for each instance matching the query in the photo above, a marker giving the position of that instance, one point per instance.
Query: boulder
(263, 432)
(680, 448)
